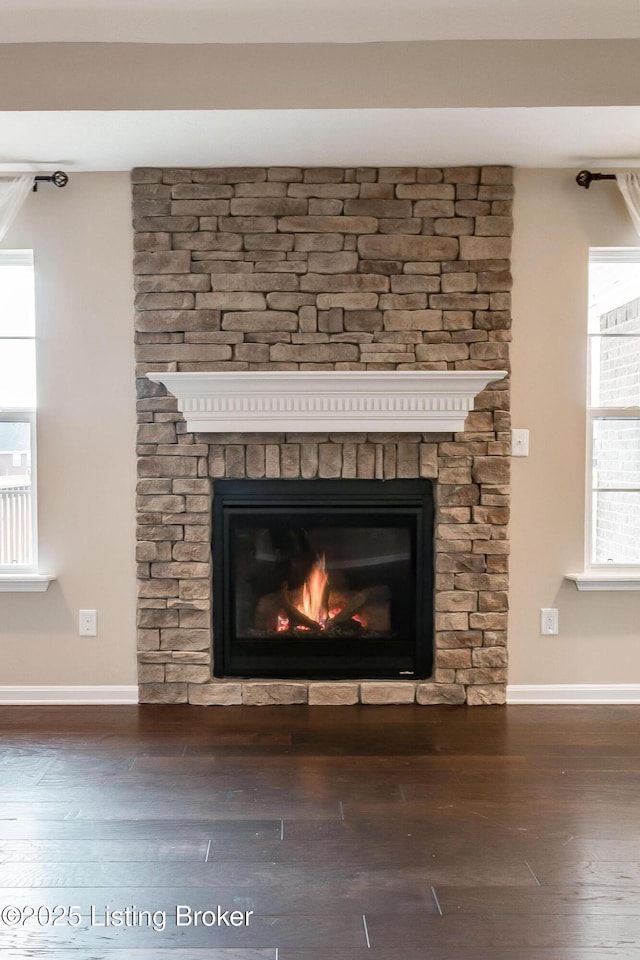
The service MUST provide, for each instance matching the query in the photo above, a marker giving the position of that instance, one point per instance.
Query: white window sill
(605, 581)
(25, 582)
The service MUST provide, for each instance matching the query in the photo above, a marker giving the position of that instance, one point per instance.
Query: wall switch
(519, 443)
(549, 621)
(88, 623)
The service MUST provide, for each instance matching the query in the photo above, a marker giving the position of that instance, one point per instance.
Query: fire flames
(314, 594)
(313, 602)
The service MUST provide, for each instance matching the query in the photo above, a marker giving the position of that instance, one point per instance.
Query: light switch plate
(519, 443)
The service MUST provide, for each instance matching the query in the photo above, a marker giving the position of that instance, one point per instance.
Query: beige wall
(262, 76)
(86, 445)
(82, 242)
(555, 224)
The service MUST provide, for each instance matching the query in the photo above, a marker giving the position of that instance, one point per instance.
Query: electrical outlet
(88, 623)
(549, 621)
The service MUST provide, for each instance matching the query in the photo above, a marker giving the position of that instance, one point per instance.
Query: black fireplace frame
(412, 500)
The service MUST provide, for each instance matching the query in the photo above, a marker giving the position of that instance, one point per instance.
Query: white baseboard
(64, 696)
(589, 693)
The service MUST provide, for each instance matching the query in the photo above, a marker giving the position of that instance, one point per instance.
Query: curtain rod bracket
(585, 178)
(58, 179)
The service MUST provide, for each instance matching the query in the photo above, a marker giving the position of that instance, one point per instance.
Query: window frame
(594, 413)
(24, 414)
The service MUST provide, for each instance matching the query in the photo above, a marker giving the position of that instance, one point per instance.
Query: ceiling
(91, 128)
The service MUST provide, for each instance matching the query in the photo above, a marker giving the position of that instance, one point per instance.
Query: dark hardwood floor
(397, 833)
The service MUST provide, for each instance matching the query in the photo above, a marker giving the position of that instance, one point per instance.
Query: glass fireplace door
(327, 579)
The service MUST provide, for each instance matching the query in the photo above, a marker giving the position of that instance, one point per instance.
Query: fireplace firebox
(328, 579)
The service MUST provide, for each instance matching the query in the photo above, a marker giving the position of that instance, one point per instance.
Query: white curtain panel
(13, 192)
(629, 184)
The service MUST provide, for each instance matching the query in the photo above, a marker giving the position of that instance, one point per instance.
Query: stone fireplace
(321, 270)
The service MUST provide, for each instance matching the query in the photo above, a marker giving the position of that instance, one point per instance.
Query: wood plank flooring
(385, 833)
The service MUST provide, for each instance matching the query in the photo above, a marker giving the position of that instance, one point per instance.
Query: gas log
(372, 603)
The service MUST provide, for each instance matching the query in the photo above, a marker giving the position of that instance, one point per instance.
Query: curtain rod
(585, 177)
(58, 179)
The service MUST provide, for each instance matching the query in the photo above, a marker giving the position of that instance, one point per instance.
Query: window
(613, 405)
(17, 411)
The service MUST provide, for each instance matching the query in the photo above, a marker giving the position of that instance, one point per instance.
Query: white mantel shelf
(272, 401)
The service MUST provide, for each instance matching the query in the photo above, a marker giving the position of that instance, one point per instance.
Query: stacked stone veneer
(287, 268)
